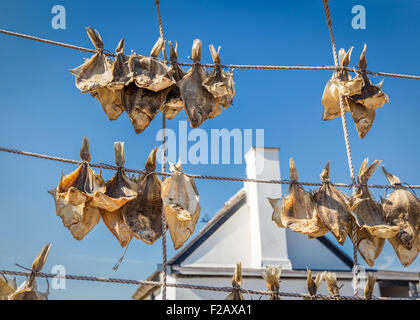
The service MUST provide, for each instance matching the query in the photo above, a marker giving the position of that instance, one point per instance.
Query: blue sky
(42, 111)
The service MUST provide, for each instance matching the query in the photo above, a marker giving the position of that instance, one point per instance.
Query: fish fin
(119, 153)
(215, 54)
(40, 260)
(84, 150)
(294, 176)
(325, 174)
(151, 161)
(157, 48)
(346, 59)
(393, 180)
(196, 51)
(120, 47)
(95, 38)
(362, 60)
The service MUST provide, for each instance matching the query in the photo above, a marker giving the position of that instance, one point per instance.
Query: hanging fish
(73, 196)
(173, 101)
(402, 209)
(236, 284)
(363, 105)
(120, 70)
(220, 84)
(95, 72)
(332, 284)
(271, 276)
(141, 105)
(119, 191)
(371, 96)
(199, 103)
(362, 117)
(370, 285)
(111, 96)
(340, 83)
(148, 72)
(369, 215)
(181, 205)
(333, 208)
(298, 210)
(7, 287)
(143, 215)
(313, 284)
(28, 289)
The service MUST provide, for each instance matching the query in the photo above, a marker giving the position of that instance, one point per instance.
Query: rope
(157, 3)
(189, 286)
(230, 66)
(348, 150)
(194, 176)
(164, 226)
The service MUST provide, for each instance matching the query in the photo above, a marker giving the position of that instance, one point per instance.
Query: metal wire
(194, 176)
(234, 66)
(189, 286)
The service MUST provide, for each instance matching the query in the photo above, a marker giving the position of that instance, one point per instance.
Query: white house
(243, 231)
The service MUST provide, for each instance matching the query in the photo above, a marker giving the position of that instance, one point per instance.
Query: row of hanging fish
(129, 206)
(28, 289)
(142, 86)
(271, 276)
(360, 96)
(396, 218)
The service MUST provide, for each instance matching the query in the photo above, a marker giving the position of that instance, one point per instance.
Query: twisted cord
(348, 149)
(189, 286)
(157, 3)
(194, 176)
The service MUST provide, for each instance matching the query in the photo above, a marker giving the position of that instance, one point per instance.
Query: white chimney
(269, 247)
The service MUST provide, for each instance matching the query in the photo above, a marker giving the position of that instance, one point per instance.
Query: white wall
(227, 246)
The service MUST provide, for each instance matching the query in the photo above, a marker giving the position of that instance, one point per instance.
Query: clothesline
(194, 287)
(195, 176)
(230, 66)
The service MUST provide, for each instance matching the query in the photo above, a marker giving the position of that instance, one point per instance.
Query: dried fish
(220, 84)
(173, 102)
(340, 83)
(362, 117)
(143, 215)
(236, 284)
(402, 209)
(141, 105)
(95, 72)
(372, 97)
(200, 104)
(333, 208)
(149, 73)
(181, 205)
(369, 215)
(111, 96)
(73, 196)
(363, 105)
(298, 210)
(7, 287)
(271, 276)
(370, 285)
(120, 71)
(331, 280)
(119, 191)
(313, 284)
(28, 289)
